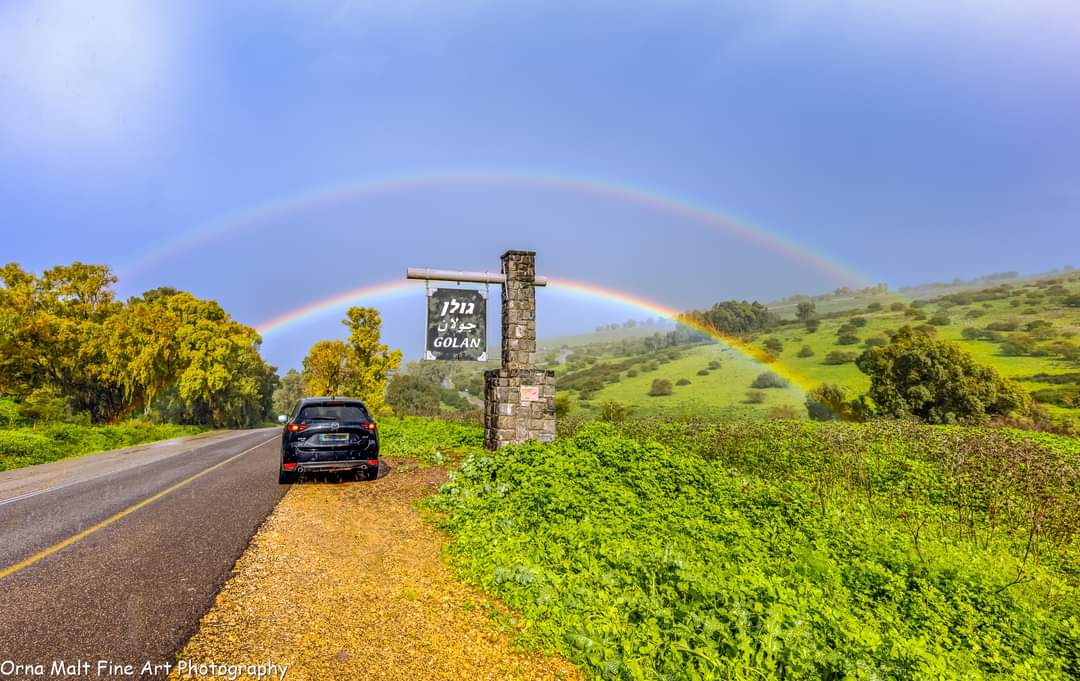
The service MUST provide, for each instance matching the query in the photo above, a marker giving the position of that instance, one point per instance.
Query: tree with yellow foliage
(358, 368)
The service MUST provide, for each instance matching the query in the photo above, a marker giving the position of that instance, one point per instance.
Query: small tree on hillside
(661, 387)
(769, 379)
(805, 351)
(812, 325)
(805, 311)
(773, 345)
(936, 381)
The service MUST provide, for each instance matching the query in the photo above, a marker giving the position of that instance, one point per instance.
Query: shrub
(925, 329)
(940, 319)
(769, 379)
(613, 412)
(805, 351)
(562, 406)
(773, 345)
(632, 373)
(897, 306)
(755, 396)
(873, 307)
(876, 341)
(1009, 325)
(936, 381)
(661, 387)
(840, 357)
(714, 364)
(812, 325)
(857, 321)
(683, 381)
(768, 358)
(703, 372)
(847, 339)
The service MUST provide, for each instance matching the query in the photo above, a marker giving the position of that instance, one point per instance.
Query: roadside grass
(701, 549)
(41, 444)
(432, 441)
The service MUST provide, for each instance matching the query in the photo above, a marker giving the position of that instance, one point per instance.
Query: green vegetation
(430, 440)
(70, 351)
(915, 375)
(26, 446)
(781, 549)
(358, 367)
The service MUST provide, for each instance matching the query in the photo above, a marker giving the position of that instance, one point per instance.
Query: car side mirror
(282, 419)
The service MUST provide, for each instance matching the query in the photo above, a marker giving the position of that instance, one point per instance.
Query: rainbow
(395, 288)
(616, 190)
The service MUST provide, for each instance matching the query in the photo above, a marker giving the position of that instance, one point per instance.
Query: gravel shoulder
(347, 581)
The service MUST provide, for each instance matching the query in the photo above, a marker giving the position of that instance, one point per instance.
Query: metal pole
(459, 276)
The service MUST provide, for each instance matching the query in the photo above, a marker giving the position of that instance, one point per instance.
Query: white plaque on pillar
(530, 393)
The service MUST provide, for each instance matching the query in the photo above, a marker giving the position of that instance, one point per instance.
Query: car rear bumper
(316, 466)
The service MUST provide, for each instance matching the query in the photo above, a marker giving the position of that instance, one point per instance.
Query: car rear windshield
(345, 413)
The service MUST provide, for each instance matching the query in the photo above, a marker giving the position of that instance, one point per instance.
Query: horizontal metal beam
(460, 276)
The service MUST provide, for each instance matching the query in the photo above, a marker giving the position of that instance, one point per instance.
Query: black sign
(456, 325)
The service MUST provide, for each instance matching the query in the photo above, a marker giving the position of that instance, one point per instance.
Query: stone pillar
(519, 399)
(519, 310)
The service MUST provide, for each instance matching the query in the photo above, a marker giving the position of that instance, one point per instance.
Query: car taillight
(367, 426)
(297, 427)
(289, 466)
(373, 462)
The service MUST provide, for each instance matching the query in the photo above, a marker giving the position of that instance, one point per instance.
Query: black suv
(328, 434)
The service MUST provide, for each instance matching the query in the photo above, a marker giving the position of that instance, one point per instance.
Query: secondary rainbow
(617, 190)
(398, 287)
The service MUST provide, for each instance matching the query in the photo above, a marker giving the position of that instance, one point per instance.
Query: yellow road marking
(44, 553)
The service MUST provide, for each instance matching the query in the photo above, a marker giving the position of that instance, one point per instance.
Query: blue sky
(906, 141)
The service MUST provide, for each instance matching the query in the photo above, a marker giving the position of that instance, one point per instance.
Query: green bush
(683, 381)
(755, 396)
(805, 351)
(769, 379)
(427, 439)
(777, 550)
(660, 387)
(839, 357)
(703, 372)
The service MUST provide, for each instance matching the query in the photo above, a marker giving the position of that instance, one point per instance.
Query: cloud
(76, 74)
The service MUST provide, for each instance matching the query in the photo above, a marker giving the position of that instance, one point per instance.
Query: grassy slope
(723, 392)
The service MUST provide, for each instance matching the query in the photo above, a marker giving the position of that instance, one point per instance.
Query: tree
(289, 391)
(812, 325)
(806, 311)
(936, 381)
(372, 360)
(326, 369)
(661, 387)
(413, 395)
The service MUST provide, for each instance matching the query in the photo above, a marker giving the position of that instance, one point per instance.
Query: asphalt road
(116, 556)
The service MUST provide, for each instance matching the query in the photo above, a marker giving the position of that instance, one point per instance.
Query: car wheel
(286, 477)
(372, 473)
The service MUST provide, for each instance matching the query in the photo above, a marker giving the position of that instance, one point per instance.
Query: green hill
(1028, 330)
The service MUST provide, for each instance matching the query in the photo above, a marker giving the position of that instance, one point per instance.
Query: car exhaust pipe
(299, 469)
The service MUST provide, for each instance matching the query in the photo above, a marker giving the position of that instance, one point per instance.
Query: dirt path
(346, 581)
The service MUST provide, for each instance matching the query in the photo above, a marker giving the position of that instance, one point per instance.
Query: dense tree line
(733, 317)
(69, 348)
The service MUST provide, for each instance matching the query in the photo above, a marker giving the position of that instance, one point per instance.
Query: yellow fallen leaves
(345, 581)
